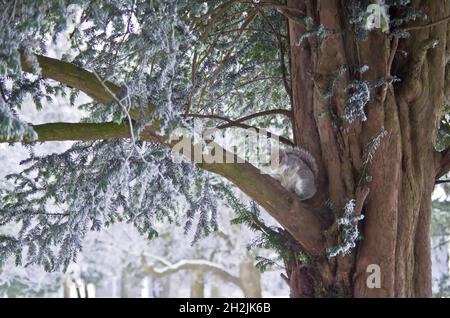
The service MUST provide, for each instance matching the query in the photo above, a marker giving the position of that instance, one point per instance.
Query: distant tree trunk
(123, 285)
(77, 288)
(250, 278)
(106, 288)
(440, 261)
(215, 291)
(66, 287)
(197, 284)
(396, 230)
(130, 284)
(165, 287)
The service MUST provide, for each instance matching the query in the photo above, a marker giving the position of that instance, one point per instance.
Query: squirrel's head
(280, 159)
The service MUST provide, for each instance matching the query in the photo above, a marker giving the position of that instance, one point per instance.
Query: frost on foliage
(148, 49)
(102, 39)
(358, 93)
(387, 81)
(155, 74)
(205, 205)
(30, 281)
(334, 80)
(358, 14)
(348, 231)
(24, 25)
(12, 128)
(407, 14)
(60, 197)
(374, 145)
(369, 154)
(359, 96)
(337, 75)
(443, 133)
(236, 84)
(320, 33)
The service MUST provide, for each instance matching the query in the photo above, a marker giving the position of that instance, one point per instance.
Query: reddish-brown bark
(396, 229)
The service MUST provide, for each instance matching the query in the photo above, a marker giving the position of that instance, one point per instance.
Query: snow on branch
(12, 128)
(196, 265)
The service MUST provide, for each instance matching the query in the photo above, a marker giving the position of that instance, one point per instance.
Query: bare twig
(430, 25)
(287, 86)
(239, 123)
(284, 112)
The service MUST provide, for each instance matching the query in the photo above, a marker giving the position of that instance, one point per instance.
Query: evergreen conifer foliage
(377, 124)
(164, 64)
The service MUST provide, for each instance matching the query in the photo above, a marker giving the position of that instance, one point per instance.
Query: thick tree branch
(80, 131)
(78, 78)
(284, 206)
(87, 132)
(303, 223)
(72, 76)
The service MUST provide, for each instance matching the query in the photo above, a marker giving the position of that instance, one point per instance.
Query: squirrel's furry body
(297, 171)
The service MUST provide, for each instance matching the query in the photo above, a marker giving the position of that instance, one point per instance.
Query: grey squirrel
(297, 171)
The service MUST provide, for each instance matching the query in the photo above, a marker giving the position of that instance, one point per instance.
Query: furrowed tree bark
(396, 230)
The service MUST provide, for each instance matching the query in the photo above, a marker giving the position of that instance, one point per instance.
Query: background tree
(364, 98)
(440, 241)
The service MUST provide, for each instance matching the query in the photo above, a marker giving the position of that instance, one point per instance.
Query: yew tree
(362, 85)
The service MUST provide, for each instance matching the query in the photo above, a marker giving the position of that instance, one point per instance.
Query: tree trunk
(215, 291)
(250, 278)
(66, 287)
(396, 228)
(130, 284)
(197, 284)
